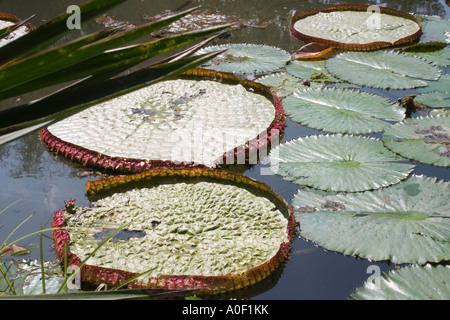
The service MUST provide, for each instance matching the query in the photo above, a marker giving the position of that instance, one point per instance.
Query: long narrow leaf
(75, 99)
(104, 62)
(8, 30)
(48, 62)
(52, 30)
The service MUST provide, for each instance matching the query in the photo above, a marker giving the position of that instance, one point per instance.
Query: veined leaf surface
(404, 223)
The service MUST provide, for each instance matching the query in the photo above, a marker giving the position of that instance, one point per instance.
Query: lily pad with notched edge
(383, 69)
(405, 223)
(341, 111)
(284, 84)
(408, 283)
(246, 58)
(205, 229)
(436, 94)
(338, 163)
(425, 139)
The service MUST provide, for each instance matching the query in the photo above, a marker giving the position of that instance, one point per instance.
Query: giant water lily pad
(345, 111)
(205, 118)
(387, 69)
(424, 139)
(338, 163)
(405, 223)
(193, 228)
(356, 27)
(408, 283)
(242, 58)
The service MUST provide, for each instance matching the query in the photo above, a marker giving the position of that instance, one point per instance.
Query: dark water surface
(42, 183)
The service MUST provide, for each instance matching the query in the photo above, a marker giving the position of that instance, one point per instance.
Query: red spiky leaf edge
(96, 275)
(120, 165)
(354, 46)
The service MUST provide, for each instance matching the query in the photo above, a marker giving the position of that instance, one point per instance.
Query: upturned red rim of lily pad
(97, 275)
(12, 18)
(355, 46)
(121, 165)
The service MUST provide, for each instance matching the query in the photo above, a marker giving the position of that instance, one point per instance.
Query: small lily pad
(387, 69)
(342, 111)
(284, 84)
(425, 139)
(408, 283)
(338, 163)
(247, 58)
(405, 223)
(436, 94)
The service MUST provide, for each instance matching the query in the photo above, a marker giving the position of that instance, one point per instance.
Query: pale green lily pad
(408, 283)
(284, 84)
(436, 94)
(342, 111)
(435, 28)
(185, 228)
(311, 70)
(426, 139)
(247, 58)
(405, 223)
(437, 53)
(382, 69)
(338, 163)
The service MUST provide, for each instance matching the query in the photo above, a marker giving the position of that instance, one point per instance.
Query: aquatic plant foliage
(246, 59)
(387, 69)
(205, 118)
(356, 27)
(425, 139)
(202, 228)
(413, 282)
(338, 163)
(404, 223)
(11, 27)
(342, 111)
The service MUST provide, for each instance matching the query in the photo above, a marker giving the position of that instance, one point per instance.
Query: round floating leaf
(424, 139)
(382, 69)
(356, 27)
(436, 94)
(284, 84)
(435, 28)
(338, 163)
(408, 283)
(344, 111)
(435, 52)
(405, 223)
(246, 58)
(192, 121)
(193, 229)
(313, 71)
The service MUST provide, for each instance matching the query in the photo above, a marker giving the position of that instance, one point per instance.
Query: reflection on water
(28, 172)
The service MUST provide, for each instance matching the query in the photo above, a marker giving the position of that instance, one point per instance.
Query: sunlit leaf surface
(404, 223)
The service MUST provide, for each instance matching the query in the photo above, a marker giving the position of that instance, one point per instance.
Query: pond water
(43, 183)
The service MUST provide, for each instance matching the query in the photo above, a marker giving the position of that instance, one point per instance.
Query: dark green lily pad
(405, 223)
